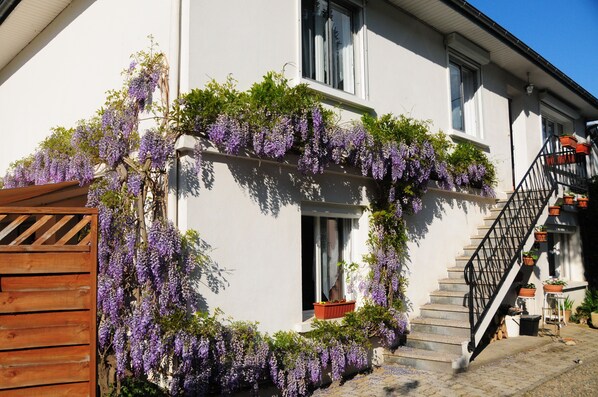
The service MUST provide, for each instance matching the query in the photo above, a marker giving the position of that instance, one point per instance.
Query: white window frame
(474, 134)
(559, 119)
(359, 93)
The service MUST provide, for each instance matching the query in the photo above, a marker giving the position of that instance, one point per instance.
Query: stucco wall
(62, 76)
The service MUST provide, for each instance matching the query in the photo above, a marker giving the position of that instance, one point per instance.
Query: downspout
(175, 86)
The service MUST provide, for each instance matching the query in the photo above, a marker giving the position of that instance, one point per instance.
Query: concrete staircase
(439, 337)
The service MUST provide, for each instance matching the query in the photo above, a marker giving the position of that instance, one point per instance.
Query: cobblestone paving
(548, 370)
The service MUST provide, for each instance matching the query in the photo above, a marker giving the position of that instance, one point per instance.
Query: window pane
(341, 43)
(313, 32)
(469, 108)
(331, 242)
(456, 99)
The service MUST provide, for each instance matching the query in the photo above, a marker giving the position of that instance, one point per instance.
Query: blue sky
(563, 32)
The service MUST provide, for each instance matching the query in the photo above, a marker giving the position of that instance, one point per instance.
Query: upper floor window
(328, 31)
(464, 79)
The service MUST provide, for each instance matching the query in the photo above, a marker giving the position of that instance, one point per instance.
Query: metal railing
(499, 250)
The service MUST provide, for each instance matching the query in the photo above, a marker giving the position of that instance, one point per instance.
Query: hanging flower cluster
(148, 269)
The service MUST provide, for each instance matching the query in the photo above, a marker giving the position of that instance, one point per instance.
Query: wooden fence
(48, 260)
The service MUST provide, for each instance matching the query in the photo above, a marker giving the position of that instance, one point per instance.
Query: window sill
(461, 136)
(340, 96)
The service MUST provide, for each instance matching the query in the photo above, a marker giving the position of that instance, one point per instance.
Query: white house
(437, 60)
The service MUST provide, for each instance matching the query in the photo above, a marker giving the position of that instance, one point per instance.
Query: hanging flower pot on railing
(530, 257)
(568, 141)
(554, 285)
(568, 198)
(566, 159)
(583, 148)
(540, 234)
(333, 309)
(582, 202)
(554, 210)
(527, 290)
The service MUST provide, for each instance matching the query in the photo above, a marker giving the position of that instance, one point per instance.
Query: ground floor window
(325, 241)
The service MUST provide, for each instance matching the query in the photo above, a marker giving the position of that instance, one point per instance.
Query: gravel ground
(579, 381)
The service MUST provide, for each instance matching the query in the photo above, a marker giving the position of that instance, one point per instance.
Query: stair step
(449, 297)
(435, 342)
(423, 359)
(446, 312)
(440, 326)
(453, 284)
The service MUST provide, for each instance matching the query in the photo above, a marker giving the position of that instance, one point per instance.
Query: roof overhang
(64, 194)
(21, 21)
(506, 50)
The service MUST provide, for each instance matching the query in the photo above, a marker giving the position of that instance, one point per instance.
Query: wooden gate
(48, 260)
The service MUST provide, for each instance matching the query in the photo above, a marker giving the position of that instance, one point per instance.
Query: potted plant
(568, 158)
(568, 141)
(333, 309)
(540, 234)
(527, 290)
(568, 305)
(568, 198)
(582, 201)
(554, 210)
(554, 285)
(583, 148)
(589, 307)
(530, 257)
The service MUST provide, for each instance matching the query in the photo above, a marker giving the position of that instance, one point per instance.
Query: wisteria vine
(148, 269)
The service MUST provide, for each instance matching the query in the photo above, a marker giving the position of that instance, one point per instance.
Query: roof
(64, 194)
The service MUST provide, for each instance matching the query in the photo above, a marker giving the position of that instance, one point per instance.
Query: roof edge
(472, 13)
(6, 7)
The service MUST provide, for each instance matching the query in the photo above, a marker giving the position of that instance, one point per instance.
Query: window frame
(476, 133)
(358, 28)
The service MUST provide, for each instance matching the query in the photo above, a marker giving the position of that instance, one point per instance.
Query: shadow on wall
(588, 227)
(209, 275)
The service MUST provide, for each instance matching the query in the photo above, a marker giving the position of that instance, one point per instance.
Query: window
(325, 241)
(328, 34)
(464, 79)
(551, 127)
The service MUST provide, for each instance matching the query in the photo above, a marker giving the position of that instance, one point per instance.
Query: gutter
(475, 15)
(6, 7)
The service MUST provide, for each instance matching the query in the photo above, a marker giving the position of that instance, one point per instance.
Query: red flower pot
(554, 210)
(328, 310)
(550, 160)
(568, 200)
(583, 148)
(568, 141)
(582, 202)
(553, 288)
(528, 261)
(541, 237)
(566, 158)
(527, 292)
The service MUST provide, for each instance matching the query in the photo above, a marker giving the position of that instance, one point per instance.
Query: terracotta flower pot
(568, 200)
(566, 158)
(528, 261)
(554, 210)
(527, 292)
(328, 310)
(583, 148)
(567, 316)
(594, 319)
(582, 202)
(568, 141)
(550, 160)
(553, 288)
(541, 237)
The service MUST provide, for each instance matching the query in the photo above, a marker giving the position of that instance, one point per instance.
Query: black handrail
(486, 270)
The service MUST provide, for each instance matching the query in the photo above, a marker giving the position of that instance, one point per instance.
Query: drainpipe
(174, 85)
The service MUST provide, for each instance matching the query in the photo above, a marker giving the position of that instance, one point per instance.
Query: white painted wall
(63, 74)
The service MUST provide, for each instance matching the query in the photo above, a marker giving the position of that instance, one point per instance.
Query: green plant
(568, 303)
(531, 254)
(589, 304)
(568, 194)
(555, 281)
(529, 286)
(466, 154)
(136, 387)
(540, 228)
